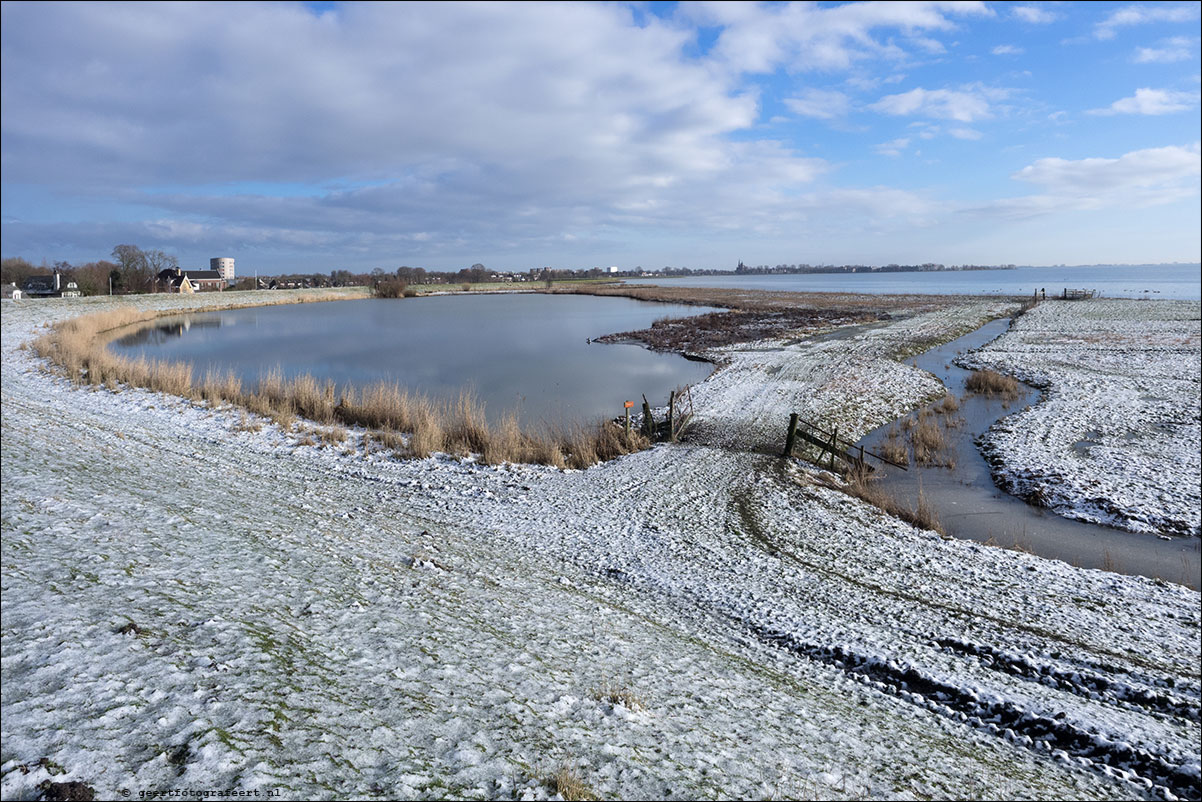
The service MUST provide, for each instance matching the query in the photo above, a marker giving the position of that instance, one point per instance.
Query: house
(203, 280)
(53, 286)
(173, 280)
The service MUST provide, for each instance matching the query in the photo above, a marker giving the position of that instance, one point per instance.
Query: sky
(311, 137)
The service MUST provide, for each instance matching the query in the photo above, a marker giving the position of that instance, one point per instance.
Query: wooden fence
(680, 412)
(831, 446)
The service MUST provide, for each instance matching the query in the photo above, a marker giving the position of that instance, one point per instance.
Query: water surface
(1111, 281)
(524, 353)
(970, 506)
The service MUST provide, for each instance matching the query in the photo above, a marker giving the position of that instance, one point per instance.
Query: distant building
(223, 265)
(202, 280)
(52, 286)
(173, 280)
(613, 268)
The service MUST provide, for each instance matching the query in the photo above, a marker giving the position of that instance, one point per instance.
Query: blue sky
(309, 137)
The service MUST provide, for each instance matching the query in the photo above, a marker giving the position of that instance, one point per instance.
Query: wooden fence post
(792, 438)
(672, 416)
(648, 422)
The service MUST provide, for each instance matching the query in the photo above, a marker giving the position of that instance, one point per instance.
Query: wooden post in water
(792, 438)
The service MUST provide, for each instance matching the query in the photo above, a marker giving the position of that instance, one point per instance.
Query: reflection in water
(532, 355)
(161, 331)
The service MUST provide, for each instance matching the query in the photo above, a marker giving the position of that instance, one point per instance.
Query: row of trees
(132, 270)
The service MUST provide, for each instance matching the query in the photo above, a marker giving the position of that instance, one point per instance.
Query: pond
(529, 354)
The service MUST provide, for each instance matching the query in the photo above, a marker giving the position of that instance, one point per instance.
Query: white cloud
(1139, 168)
(965, 133)
(821, 103)
(1168, 51)
(965, 105)
(1142, 15)
(1150, 102)
(1007, 50)
(759, 38)
(480, 122)
(1140, 178)
(893, 147)
(1034, 15)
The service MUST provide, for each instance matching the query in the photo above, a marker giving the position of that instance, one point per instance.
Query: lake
(1111, 281)
(524, 353)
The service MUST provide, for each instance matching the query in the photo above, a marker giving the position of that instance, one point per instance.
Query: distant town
(133, 270)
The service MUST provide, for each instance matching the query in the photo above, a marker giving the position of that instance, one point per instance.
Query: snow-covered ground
(192, 605)
(1118, 438)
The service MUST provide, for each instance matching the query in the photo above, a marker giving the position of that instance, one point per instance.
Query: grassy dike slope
(191, 604)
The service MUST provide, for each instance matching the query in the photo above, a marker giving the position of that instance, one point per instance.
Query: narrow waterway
(970, 506)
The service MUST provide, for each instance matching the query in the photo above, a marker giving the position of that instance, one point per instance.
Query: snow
(321, 624)
(1118, 437)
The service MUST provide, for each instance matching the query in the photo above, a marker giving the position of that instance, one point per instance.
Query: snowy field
(192, 605)
(1118, 438)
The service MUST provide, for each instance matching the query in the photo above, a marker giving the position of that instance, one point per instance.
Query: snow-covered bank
(190, 605)
(1118, 438)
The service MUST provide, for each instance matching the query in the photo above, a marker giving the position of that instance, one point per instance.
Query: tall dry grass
(893, 448)
(919, 513)
(407, 423)
(987, 382)
(948, 405)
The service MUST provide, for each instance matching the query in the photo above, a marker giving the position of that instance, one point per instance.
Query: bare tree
(134, 268)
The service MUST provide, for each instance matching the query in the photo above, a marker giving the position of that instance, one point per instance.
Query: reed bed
(948, 405)
(988, 382)
(859, 485)
(409, 424)
(893, 448)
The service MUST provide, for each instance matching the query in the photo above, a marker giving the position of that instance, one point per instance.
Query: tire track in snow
(1173, 777)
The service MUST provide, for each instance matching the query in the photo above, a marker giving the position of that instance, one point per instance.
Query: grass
(928, 442)
(948, 405)
(566, 782)
(618, 695)
(920, 513)
(893, 448)
(988, 382)
(408, 424)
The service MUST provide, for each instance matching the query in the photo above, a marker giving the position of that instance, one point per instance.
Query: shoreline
(188, 604)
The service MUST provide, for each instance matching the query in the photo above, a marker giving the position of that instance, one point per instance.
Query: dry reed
(78, 348)
(948, 405)
(893, 448)
(920, 514)
(987, 382)
(569, 785)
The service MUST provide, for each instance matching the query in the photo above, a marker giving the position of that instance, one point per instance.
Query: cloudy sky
(317, 136)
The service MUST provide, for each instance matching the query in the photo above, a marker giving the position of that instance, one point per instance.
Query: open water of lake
(1111, 281)
(521, 353)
